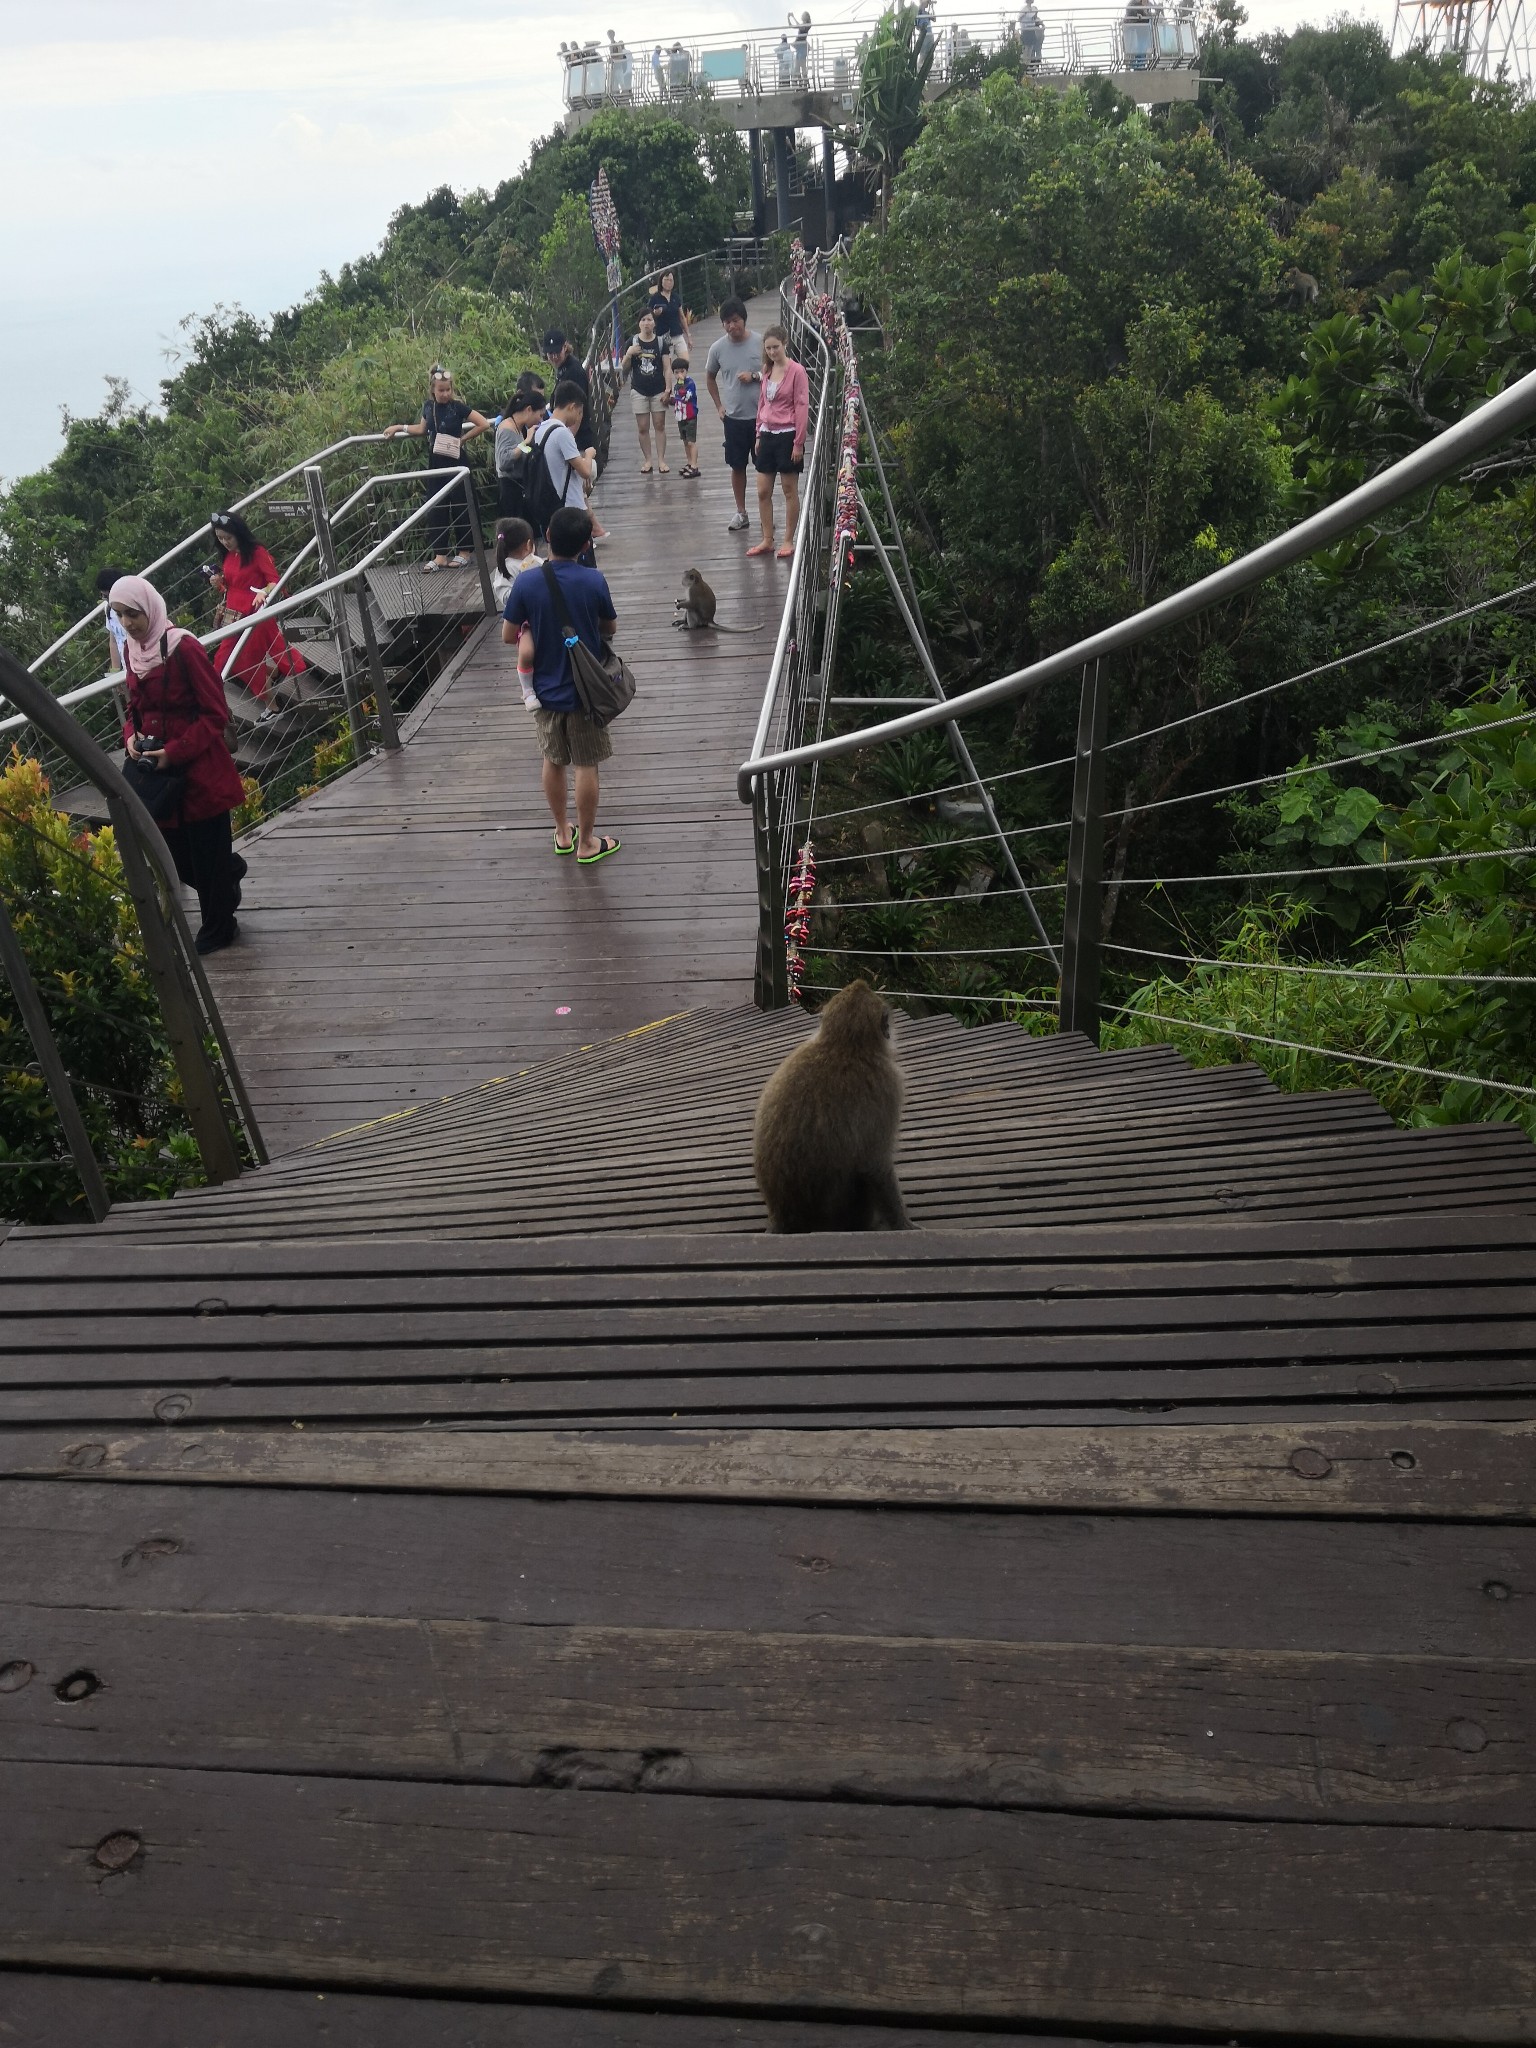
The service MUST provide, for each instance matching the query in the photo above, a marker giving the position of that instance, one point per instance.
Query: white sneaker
(739, 524)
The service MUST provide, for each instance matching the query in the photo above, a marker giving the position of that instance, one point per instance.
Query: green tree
(567, 285)
(888, 112)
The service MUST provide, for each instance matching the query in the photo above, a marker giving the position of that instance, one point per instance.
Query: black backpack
(541, 500)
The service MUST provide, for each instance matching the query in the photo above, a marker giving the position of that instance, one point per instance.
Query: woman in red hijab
(249, 574)
(176, 720)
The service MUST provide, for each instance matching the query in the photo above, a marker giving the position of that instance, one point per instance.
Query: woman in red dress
(176, 720)
(249, 574)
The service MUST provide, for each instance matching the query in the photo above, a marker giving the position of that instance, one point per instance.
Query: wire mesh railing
(1011, 889)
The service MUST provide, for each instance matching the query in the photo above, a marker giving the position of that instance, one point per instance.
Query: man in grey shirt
(733, 370)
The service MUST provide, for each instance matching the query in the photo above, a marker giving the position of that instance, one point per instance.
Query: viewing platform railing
(1079, 42)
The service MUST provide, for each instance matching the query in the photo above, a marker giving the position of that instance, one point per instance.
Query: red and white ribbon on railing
(825, 314)
(797, 917)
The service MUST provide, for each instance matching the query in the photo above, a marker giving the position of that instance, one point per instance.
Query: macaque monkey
(697, 607)
(827, 1124)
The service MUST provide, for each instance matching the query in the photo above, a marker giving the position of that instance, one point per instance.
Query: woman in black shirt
(446, 423)
(665, 308)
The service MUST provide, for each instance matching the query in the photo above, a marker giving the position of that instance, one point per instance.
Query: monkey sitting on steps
(827, 1124)
(697, 607)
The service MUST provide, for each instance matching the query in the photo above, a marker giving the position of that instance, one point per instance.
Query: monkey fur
(827, 1124)
(697, 607)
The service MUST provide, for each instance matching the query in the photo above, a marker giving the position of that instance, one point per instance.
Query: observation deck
(777, 80)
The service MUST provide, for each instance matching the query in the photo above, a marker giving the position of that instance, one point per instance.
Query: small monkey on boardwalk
(697, 607)
(827, 1124)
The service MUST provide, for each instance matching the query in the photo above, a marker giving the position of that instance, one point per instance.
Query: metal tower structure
(1491, 38)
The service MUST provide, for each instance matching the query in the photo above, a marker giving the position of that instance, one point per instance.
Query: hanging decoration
(605, 233)
(797, 917)
(799, 272)
(845, 509)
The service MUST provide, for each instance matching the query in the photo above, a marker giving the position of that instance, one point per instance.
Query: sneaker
(739, 524)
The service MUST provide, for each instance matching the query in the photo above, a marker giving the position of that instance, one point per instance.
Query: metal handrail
(1436, 460)
(196, 537)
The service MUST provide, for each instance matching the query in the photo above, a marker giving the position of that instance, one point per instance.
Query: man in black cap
(570, 369)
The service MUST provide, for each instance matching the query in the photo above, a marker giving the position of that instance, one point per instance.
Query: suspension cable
(1317, 767)
(1312, 967)
(1324, 668)
(839, 860)
(928, 952)
(929, 995)
(1344, 867)
(947, 789)
(1360, 1059)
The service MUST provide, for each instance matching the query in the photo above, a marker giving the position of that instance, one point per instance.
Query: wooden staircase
(467, 1584)
(652, 1132)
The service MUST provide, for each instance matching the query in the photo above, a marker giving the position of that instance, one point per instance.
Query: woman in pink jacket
(783, 411)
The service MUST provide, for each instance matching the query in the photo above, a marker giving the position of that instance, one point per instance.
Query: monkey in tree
(827, 1124)
(697, 607)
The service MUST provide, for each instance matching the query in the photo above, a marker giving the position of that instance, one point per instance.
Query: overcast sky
(161, 156)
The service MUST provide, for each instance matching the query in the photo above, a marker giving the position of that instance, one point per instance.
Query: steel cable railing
(914, 841)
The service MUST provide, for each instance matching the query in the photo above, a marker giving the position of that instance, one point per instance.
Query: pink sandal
(764, 547)
(787, 552)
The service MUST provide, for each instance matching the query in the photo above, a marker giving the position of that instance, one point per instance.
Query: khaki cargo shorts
(569, 739)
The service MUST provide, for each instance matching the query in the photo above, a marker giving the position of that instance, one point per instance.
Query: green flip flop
(575, 836)
(604, 848)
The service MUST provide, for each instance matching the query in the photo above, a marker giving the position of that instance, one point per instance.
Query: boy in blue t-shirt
(568, 739)
(685, 403)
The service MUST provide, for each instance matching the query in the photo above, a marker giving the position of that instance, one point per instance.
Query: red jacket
(181, 706)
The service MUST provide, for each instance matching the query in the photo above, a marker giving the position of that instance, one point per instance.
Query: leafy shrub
(64, 893)
(1474, 808)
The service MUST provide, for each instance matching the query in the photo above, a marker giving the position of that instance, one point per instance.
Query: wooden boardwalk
(409, 931)
(467, 1586)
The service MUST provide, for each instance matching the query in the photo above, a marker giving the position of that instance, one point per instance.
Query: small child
(514, 553)
(685, 403)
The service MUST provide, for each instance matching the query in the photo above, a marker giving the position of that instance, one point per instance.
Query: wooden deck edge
(1463, 1471)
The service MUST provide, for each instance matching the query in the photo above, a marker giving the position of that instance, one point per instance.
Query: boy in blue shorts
(685, 404)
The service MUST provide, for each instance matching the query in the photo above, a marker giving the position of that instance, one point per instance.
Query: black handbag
(603, 684)
(160, 790)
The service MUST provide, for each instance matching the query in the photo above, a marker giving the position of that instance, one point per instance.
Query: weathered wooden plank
(64, 1253)
(1394, 1588)
(815, 1396)
(1056, 1919)
(1021, 1328)
(1466, 1471)
(1244, 1734)
(384, 1279)
(40, 2011)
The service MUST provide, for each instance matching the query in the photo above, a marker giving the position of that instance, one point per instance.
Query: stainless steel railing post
(389, 730)
(55, 1076)
(314, 485)
(1081, 939)
(770, 981)
(477, 535)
